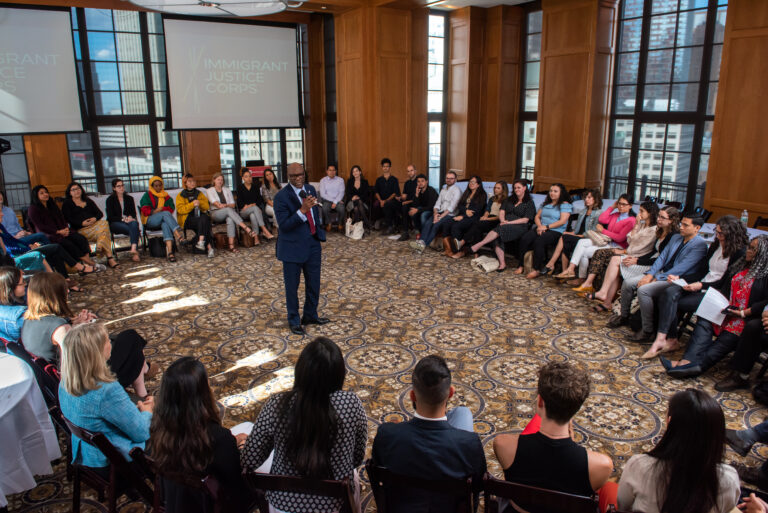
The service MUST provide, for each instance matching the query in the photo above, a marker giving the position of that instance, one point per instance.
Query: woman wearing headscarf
(157, 214)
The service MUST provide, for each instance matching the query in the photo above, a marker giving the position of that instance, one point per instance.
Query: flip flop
(600, 308)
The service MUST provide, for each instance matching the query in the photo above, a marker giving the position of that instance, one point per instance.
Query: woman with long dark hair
(269, 189)
(685, 471)
(357, 196)
(548, 226)
(186, 436)
(316, 430)
(468, 213)
(83, 215)
(486, 223)
(12, 303)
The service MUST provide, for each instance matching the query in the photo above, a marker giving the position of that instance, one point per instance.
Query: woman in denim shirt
(12, 307)
(91, 398)
(549, 225)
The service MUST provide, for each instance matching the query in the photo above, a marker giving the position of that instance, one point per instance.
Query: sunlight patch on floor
(254, 360)
(154, 295)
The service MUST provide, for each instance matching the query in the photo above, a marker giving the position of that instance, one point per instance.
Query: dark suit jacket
(428, 450)
(114, 214)
(294, 241)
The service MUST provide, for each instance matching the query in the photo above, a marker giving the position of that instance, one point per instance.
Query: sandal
(74, 287)
(86, 271)
(152, 370)
(171, 257)
(600, 308)
(591, 297)
(110, 260)
(233, 249)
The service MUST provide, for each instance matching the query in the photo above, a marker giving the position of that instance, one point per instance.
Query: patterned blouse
(741, 288)
(270, 432)
(513, 212)
(268, 193)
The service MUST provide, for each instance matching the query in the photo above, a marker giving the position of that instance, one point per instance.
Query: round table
(29, 442)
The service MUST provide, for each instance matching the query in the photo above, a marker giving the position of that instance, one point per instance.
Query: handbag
(485, 264)
(597, 238)
(354, 231)
(157, 247)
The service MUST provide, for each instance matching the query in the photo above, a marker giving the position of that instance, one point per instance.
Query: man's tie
(311, 222)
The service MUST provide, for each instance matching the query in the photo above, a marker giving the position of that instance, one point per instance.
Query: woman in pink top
(615, 222)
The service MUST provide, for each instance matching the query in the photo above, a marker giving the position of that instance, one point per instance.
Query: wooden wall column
(577, 47)
(48, 162)
(484, 91)
(381, 88)
(738, 164)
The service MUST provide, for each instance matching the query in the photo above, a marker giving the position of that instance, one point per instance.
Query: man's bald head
(296, 174)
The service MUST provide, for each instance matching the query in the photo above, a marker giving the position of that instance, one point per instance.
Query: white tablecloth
(707, 231)
(28, 441)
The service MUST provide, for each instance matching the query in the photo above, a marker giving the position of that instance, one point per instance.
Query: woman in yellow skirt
(83, 215)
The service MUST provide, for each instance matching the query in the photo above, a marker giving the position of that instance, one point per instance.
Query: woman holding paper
(723, 257)
(747, 291)
(186, 436)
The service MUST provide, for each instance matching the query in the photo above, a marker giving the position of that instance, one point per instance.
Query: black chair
(545, 499)
(760, 221)
(123, 475)
(702, 213)
(341, 490)
(58, 422)
(49, 385)
(207, 485)
(675, 204)
(383, 482)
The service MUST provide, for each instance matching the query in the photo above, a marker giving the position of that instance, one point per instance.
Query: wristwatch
(546, 226)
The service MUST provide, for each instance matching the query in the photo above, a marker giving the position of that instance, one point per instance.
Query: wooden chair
(48, 383)
(121, 472)
(207, 485)
(544, 499)
(341, 490)
(383, 480)
(760, 221)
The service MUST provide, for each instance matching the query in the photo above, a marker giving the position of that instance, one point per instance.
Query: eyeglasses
(296, 176)
(623, 204)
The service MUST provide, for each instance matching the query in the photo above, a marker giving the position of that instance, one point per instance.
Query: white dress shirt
(448, 199)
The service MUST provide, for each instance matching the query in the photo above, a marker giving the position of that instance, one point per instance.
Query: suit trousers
(752, 342)
(292, 272)
(539, 244)
(645, 296)
(703, 351)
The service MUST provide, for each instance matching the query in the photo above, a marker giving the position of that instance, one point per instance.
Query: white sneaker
(100, 267)
(459, 243)
(210, 253)
(418, 245)
(200, 245)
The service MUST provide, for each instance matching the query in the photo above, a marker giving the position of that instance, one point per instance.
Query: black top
(514, 212)
(225, 467)
(386, 187)
(409, 189)
(246, 197)
(363, 191)
(426, 200)
(428, 449)
(476, 204)
(114, 214)
(553, 464)
(76, 215)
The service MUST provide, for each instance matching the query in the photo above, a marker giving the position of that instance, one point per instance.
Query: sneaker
(418, 246)
(210, 253)
(200, 245)
(99, 267)
(617, 320)
(459, 244)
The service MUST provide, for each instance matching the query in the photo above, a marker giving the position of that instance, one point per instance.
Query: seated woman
(587, 220)
(91, 398)
(471, 206)
(121, 216)
(357, 196)
(269, 189)
(490, 220)
(685, 471)
(724, 254)
(48, 319)
(549, 225)
(156, 208)
(627, 271)
(11, 224)
(250, 204)
(747, 291)
(12, 303)
(316, 430)
(614, 223)
(192, 213)
(515, 216)
(752, 342)
(223, 210)
(186, 436)
(83, 215)
(45, 215)
(642, 240)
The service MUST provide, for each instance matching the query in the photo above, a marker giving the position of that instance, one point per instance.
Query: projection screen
(231, 75)
(38, 81)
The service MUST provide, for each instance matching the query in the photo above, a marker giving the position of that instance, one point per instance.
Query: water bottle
(745, 217)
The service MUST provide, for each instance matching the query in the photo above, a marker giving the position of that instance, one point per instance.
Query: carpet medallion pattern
(389, 307)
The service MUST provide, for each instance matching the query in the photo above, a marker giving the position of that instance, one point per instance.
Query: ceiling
(458, 4)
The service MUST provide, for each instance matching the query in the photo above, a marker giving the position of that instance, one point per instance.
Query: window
(14, 178)
(666, 75)
(530, 94)
(121, 65)
(331, 132)
(437, 45)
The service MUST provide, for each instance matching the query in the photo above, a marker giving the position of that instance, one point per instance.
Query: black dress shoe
(731, 383)
(666, 363)
(298, 330)
(751, 475)
(617, 320)
(737, 443)
(319, 320)
(689, 370)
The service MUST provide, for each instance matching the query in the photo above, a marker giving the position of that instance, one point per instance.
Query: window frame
(524, 115)
(442, 116)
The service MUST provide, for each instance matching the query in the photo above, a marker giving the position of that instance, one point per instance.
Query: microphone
(303, 194)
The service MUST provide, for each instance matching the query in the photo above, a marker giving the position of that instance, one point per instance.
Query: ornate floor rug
(389, 307)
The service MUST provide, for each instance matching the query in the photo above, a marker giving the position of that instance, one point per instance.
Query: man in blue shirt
(681, 257)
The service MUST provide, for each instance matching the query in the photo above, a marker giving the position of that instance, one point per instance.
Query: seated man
(424, 199)
(435, 444)
(442, 213)
(332, 189)
(680, 258)
(549, 458)
(387, 190)
(406, 198)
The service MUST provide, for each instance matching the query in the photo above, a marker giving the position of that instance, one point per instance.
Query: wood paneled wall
(200, 154)
(380, 70)
(574, 95)
(48, 162)
(738, 165)
(315, 151)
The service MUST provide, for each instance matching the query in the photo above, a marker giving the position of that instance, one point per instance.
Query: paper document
(712, 305)
(242, 428)
(681, 282)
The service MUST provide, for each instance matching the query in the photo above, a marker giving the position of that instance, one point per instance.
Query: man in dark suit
(298, 247)
(435, 444)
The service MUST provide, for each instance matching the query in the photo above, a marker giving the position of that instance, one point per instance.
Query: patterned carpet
(390, 307)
